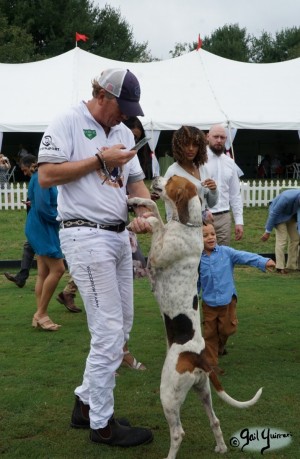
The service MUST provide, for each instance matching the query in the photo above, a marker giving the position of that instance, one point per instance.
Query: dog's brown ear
(182, 203)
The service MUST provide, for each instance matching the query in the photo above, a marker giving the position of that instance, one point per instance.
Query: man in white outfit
(222, 170)
(86, 153)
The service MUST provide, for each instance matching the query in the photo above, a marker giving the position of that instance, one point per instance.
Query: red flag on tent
(199, 44)
(82, 37)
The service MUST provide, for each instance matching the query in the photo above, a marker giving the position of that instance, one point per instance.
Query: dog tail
(231, 401)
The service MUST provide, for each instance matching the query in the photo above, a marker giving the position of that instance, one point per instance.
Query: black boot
(19, 282)
(114, 434)
(80, 416)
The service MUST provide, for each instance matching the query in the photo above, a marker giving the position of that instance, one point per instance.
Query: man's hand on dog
(140, 225)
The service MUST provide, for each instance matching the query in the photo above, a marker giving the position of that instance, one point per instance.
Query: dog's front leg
(151, 206)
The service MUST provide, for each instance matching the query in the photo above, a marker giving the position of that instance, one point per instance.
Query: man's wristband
(100, 160)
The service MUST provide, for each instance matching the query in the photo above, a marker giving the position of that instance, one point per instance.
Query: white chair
(289, 171)
(11, 174)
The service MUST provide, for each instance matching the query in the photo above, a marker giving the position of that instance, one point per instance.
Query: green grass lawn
(40, 370)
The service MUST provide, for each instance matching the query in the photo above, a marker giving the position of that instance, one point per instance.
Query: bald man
(223, 170)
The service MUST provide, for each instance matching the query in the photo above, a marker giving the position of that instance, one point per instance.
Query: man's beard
(217, 151)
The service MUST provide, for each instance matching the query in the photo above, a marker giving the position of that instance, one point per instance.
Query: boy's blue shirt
(216, 273)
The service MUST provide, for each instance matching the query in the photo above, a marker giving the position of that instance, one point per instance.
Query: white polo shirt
(74, 136)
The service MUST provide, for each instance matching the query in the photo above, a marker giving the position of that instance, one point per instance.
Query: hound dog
(174, 259)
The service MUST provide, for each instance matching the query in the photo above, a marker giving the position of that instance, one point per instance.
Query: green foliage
(284, 46)
(113, 38)
(182, 48)
(233, 42)
(51, 27)
(229, 41)
(15, 44)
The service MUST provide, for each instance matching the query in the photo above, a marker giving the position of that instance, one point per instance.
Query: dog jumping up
(173, 262)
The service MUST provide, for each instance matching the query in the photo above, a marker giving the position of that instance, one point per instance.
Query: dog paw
(221, 449)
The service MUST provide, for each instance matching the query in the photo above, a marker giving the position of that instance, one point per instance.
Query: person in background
(66, 297)
(218, 291)
(4, 168)
(26, 262)
(264, 168)
(223, 171)
(144, 154)
(21, 153)
(41, 230)
(4, 162)
(284, 216)
(189, 152)
(87, 153)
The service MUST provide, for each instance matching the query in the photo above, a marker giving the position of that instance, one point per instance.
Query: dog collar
(190, 225)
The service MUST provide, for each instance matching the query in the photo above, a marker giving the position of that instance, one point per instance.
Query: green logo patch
(90, 133)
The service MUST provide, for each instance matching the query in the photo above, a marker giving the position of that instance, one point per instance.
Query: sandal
(132, 362)
(45, 323)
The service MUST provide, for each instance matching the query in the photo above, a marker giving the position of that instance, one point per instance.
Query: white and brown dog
(174, 259)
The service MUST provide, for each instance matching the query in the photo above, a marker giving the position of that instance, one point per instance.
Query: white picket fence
(254, 193)
(260, 193)
(12, 195)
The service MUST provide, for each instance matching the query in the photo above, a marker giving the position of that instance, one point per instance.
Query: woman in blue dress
(42, 233)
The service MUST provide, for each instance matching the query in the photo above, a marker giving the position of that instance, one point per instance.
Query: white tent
(197, 88)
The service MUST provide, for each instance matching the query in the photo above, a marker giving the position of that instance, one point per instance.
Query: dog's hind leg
(171, 406)
(204, 393)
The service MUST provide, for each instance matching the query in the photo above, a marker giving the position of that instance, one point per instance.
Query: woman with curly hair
(189, 152)
(42, 234)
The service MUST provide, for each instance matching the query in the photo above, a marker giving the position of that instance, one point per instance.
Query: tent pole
(231, 144)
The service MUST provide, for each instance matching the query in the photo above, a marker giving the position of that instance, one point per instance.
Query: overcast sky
(163, 23)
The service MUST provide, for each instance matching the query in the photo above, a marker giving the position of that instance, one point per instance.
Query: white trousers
(100, 263)
(286, 234)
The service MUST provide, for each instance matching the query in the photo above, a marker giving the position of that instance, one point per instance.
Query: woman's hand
(210, 184)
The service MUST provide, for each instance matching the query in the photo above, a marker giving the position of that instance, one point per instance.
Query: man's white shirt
(223, 170)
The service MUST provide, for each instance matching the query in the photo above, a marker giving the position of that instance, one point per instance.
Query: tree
(289, 42)
(15, 44)
(52, 24)
(232, 42)
(229, 41)
(284, 46)
(113, 38)
(263, 49)
(181, 48)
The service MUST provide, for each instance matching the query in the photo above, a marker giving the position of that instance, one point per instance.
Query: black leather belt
(79, 222)
(220, 213)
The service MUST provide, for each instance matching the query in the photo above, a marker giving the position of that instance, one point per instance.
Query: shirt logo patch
(90, 133)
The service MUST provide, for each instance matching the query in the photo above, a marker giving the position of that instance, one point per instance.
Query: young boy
(219, 295)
